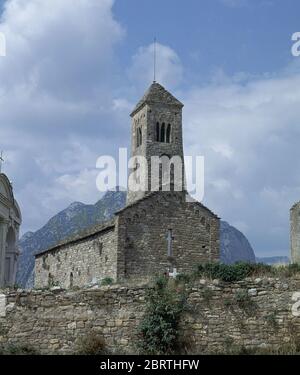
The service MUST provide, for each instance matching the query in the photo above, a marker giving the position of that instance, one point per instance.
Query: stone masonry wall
(295, 232)
(54, 321)
(79, 263)
(146, 224)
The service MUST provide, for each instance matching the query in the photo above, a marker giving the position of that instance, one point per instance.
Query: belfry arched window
(162, 132)
(168, 134)
(139, 138)
(157, 132)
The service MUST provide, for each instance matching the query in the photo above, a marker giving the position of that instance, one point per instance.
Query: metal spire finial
(154, 65)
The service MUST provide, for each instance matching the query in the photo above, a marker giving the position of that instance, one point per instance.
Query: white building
(10, 221)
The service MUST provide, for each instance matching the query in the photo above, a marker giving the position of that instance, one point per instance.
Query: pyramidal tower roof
(296, 204)
(156, 93)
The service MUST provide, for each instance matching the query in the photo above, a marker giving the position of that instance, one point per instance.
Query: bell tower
(156, 131)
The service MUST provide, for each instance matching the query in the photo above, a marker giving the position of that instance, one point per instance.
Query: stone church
(10, 221)
(157, 231)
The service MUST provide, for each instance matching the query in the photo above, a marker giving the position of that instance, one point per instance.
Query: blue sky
(73, 72)
(239, 35)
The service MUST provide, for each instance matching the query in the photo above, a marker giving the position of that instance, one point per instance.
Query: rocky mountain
(69, 222)
(79, 216)
(234, 245)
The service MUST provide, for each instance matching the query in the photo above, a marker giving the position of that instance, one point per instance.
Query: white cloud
(45, 52)
(77, 186)
(168, 66)
(223, 149)
(56, 94)
(249, 134)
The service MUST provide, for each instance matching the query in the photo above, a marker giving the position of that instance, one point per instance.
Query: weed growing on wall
(13, 349)
(271, 320)
(92, 344)
(107, 281)
(234, 272)
(244, 302)
(239, 271)
(158, 330)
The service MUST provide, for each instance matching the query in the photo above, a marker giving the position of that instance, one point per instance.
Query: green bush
(16, 286)
(92, 345)
(184, 278)
(227, 302)
(232, 272)
(13, 349)
(107, 281)
(161, 282)
(158, 330)
(271, 319)
(207, 295)
(235, 349)
(245, 302)
(289, 270)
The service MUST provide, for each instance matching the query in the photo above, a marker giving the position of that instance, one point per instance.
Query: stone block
(252, 292)
(2, 305)
(72, 325)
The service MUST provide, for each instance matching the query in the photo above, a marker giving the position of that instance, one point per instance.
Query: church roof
(82, 235)
(156, 93)
(297, 204)
(155, 193)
